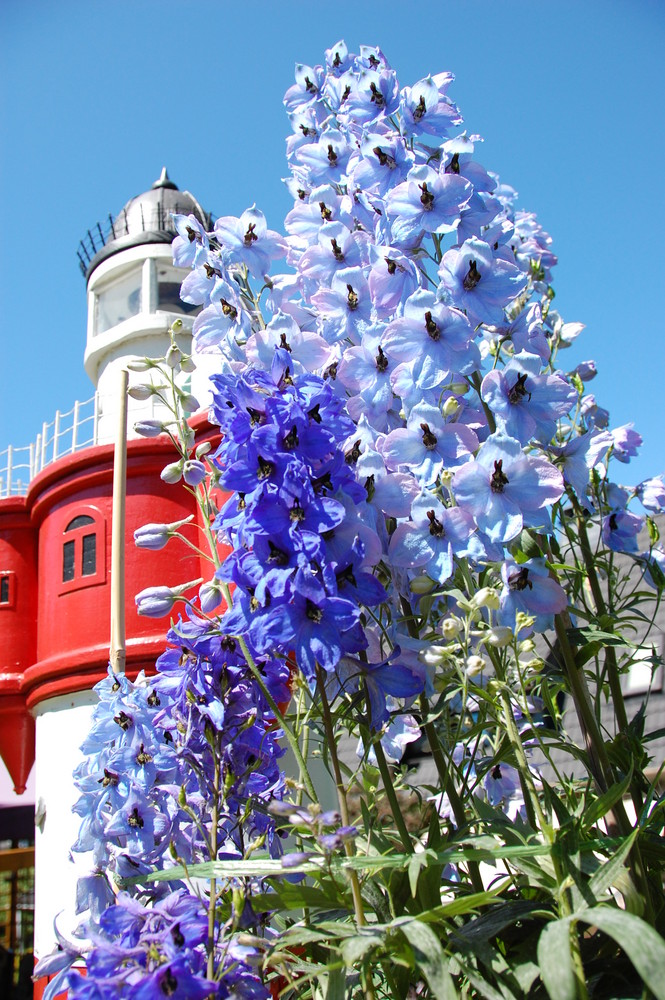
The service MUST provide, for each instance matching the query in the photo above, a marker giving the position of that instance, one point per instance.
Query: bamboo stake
(117, 650)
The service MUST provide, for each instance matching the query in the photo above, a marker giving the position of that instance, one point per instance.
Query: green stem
(341, 794)
(212, 904)
(389, 789)
(274, 708)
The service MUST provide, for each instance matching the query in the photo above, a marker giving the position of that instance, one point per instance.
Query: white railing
(69, 431)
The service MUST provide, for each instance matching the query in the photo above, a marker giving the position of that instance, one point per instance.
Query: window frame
(10, 576)
(98, 529)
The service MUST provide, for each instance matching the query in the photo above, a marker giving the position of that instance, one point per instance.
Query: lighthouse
(55, 536)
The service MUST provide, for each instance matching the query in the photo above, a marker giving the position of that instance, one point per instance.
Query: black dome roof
(147, 218)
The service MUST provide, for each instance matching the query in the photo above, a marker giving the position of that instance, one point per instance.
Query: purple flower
(248, 241)
(475, 280)
(505, 489)
(620, 530)
(527, 404)
(528, 587)
(428, 201)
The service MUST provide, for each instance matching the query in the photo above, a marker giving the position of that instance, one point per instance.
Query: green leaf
(643, 945)
(430, 958)
(356, 948)
(608, 873)
(604, 802)
(416, 864)
(556, 961)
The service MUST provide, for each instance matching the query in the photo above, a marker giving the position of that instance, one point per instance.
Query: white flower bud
(189, 403)
(459, 388)
(172, 473)
(474, 666)
(499, 636)
(143, 391)
(450, 407)
(451, 627)
(187, 364)
(486, 597)
(421, 584)
(142, 365)
(173, 356)
(433, 656)
(203, 449)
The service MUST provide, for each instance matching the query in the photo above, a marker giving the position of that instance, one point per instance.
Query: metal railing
(69, 431)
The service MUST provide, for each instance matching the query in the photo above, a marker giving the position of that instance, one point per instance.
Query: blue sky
(98, 94)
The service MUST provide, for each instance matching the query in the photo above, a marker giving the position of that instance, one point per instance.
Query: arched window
(83, 554)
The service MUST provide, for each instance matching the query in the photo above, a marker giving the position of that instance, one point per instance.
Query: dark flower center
(309, 86)
(377, 97)
(191, 235)
(330, 372)
(347, 91)
(134, 819)
(391, 265)
(374, 62)
(385, 159)
(435, 526)
(283, 343)
(143, 757)
(302, 194)
(297, 513)
(250, 235)
(109, 779)
(432, 329)
(153, 699)
(420, 109)
(426, 198)
(228, 643)
(519, 390)
(496, 772)
(337, 61)
(291, 439)
(326, 213)
(314, 414)
(332, 155)
(352, 298)
(228, 309)
(313, 613)
(472, 277)
(307, 131)
(453, 167)
(520, 580)
(429, 439)
(337, 251)
(265, 469)
(369, 487)
(353, 454)
(178, 938)
(277, 556)
(123, 720)
(169, 984)
(381, 360)
(499, 478)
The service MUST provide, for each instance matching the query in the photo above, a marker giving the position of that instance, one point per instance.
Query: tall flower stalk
(409, 486)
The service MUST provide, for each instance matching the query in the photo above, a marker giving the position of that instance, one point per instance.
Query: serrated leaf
(430, 959)
(556, 961)
(643, 945)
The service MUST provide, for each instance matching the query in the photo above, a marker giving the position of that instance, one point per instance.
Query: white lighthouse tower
(134, 295)
(133, 300)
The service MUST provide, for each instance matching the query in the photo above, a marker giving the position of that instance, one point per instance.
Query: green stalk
(274, 708)
(341, 794)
